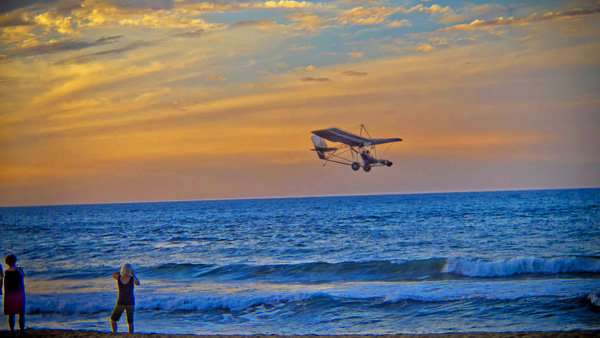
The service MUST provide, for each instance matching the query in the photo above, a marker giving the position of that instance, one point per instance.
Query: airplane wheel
(389, 164)
(355, 166)
(367, 167)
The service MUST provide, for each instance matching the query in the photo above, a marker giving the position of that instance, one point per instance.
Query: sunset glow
(106, 101)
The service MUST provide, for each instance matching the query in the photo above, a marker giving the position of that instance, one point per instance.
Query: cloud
(425, 47)
(58, 46)
(166, 20)
(366, 16)
(286, 4)
(308, 68)
(52, 21)
(318, 79)
(354, 73)
(156, 15)
(485, 9)
(109, 39)
(146, 4)
(263, 24)
(502, 22)
(301, 48)
(14, 5)
(433, 9)
(194, 33)
(201, 7)
(447, 14)
(401, 23)
(466, 41)
(19, 36)
(217, 78)
(452, 18)
(77, 78)
(37, 25)
(307, 21)
(89, 57)
(356, 55)
(16, 18)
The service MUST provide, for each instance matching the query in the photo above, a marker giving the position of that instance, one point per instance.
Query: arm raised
(136, 281)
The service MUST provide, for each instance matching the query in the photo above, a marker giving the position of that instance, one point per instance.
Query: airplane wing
(338, 135)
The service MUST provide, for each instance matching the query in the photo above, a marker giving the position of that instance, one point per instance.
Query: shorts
(14, 303)
(118, 311)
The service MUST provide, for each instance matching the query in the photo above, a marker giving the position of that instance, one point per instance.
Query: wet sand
(93, 334)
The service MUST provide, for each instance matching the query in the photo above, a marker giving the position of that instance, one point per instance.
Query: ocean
(422, 263)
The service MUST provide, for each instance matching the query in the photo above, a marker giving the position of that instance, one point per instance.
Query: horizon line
(305, 196)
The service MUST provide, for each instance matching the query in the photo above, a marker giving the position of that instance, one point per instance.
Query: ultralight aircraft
(354, 150)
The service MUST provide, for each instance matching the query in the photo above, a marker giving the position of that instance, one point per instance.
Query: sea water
(427, 263)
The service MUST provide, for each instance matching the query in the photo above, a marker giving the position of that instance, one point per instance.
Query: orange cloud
(366, 16)
(218, 78)
(501, 22)
(425, 47)
(51, 21)
(401, 23)
(21, 36)
(301, 48)
(433, 9)
(308, 21)
(287, 4)
(315, 79)
(307, 68)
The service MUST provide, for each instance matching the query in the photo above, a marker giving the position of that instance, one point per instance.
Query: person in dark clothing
(125, 302)
(14, 294)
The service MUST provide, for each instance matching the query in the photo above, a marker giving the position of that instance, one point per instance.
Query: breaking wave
(248, 298)
(522, 265)
(428, 269)
(368, 271)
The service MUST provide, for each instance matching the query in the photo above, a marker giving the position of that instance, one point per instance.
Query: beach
(93, 334)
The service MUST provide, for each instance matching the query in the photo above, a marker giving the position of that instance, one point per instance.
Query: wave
(249, 298)
(319, 272)
(594, 299)
(69, 304)
(416, 270)
(522, 265)
(368, 271)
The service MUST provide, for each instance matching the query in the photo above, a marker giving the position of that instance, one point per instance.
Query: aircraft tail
(321, 147)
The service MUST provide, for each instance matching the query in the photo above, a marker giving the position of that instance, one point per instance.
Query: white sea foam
(594, 299)
(71, 303)
(521, 265)
(177, 299)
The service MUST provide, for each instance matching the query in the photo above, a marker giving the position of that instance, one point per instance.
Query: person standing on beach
(14, 294)
(125, 302)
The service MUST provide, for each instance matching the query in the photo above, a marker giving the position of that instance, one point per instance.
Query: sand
(92, 334)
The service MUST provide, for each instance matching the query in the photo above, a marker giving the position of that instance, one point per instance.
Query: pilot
(367, 157)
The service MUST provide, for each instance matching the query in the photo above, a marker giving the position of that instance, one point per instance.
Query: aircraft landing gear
(367, 167)
(389, 164)
(355, 166)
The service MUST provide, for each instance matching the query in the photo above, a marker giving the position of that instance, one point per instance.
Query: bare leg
(11, 323)
(113, 326)
(22, 321)
(130, 327)
(130, 319)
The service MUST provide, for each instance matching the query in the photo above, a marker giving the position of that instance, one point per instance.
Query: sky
(106, 101)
